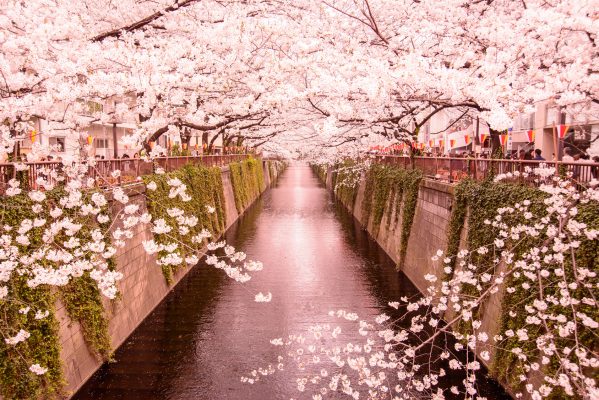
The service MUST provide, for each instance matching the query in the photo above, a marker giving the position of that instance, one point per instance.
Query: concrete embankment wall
(429, 233)
(141, 290)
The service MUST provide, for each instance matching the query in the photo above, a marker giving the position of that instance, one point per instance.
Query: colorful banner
(562, 130)
(503, 139)
(451, 143)
(441, 143)
(467, 139)
(531, 136)
(483, 137)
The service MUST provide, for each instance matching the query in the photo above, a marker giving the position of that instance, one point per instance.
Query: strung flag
(503, 139)
(431, 143)
(451, 143)
(562, 130)
(467, 139)
(483, 137)
(441, 143)
(531, 136)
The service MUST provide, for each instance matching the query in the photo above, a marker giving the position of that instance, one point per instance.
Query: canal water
(209, 332)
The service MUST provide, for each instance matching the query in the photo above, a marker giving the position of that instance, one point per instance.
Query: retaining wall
(428, 234)
(142, 288)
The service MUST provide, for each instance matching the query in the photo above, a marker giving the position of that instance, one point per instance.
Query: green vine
(247, 179)
(82, 301)
(388, 188)
(478, 202)
(321, 171)
(346, 182)
(205, 186)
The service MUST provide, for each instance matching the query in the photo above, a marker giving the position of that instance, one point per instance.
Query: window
(57, 144)
(524, 122)
(101, 143)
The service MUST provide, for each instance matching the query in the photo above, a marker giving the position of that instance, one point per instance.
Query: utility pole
(116, 150)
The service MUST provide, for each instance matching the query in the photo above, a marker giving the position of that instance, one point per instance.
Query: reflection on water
(209, 331)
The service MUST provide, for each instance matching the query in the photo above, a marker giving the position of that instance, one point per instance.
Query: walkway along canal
(209, 332)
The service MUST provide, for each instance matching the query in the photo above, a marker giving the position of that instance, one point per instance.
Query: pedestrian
(594, 168)
(538, 155)
(568, 155)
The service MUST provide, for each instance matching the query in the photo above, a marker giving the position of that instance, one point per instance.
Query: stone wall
(142, 288)
(429, 229)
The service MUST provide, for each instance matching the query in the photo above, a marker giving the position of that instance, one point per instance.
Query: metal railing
(455, 169)
(101, 171)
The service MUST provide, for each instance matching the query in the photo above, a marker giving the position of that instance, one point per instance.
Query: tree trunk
(495, 143)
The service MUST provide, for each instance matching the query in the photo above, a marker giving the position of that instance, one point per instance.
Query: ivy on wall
(346, 181)
(475, 202)
(321, 171)
(388, 189)
(205, 185)
(275, 168)
(82, 302)
(81, 298)
(247, 179)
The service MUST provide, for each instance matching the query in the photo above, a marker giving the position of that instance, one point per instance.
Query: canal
(209, 332)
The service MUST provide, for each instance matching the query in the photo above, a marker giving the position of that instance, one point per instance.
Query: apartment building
(97, 139)
(549, 128)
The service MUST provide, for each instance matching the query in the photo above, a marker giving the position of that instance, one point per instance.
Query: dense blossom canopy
(327, 78)
(338, 72)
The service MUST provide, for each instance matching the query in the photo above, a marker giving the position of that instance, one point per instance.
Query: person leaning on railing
(595, 168)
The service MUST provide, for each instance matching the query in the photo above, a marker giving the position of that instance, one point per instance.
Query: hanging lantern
(90, 140)
(562, 130)
(32, 135)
